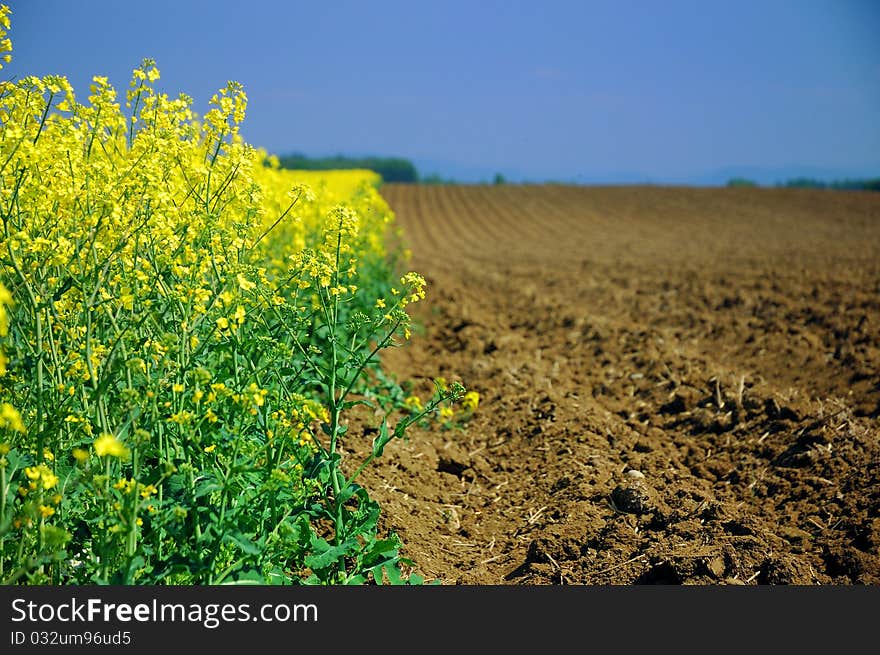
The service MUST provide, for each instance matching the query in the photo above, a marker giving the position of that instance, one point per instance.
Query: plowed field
(677, 386)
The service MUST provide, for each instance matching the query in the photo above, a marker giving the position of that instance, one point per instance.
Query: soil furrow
(677, 386)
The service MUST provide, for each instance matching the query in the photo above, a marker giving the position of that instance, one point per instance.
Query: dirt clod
(633, 498)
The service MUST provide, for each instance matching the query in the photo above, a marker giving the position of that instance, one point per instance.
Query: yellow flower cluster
(109, 446)
(147, 248)
(9, 416)
(41, 475)
(173, 305)
(471, 401)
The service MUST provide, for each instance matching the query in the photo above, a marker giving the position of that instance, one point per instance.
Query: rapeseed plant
(187, 327)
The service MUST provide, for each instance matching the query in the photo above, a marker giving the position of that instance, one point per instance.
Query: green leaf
(348, 404)
(381, 439)
(246, 577)
(277, 577)
(242, 542)
(366, 517)
(317, 510)
(328, 430)
(176, 484)
(384, 547)
(54, 537)
(348, 492)
(325, 555)
(125, 576)
(393, 574)
(301, 530)
(16, 461)
(324, 469)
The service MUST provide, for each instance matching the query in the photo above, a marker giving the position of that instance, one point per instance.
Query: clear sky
(586, 91)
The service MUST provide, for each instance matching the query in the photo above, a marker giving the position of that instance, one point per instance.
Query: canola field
(185, 329)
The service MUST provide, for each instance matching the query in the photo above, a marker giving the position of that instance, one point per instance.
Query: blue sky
(667, 91)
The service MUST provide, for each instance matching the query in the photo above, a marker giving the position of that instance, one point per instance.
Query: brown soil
(677, 386)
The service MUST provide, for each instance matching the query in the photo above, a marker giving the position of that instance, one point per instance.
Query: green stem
(277, 221)
(401, 428)
(382, 344)
(335, 409)
(131, 542)
(3, 465)
(105, 555)
(44, 117)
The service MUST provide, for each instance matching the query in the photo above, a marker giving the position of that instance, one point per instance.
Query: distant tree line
(840, 185)
(392, 169)
(741, 182)
(434, 178)
(871, 184)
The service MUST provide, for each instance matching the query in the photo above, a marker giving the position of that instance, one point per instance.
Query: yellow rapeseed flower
(48, 478)
(182, 417)
(108, 445)
(41, 473)
(470, 401)
(244, 284)
(10, 418)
